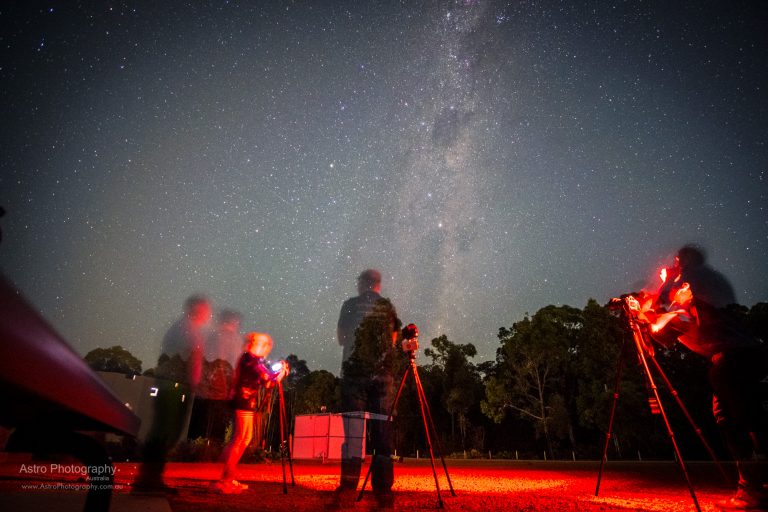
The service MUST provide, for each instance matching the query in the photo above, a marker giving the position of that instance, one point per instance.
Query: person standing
(252, 374)
(222, 351)
(186, 340)
(181, 366)
(225, 342)
(367, 331)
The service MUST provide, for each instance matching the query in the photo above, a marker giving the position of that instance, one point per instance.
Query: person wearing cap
(367, 331)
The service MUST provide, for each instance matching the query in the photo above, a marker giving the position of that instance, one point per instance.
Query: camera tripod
(285, 449)
(644, 348)
(426, 416)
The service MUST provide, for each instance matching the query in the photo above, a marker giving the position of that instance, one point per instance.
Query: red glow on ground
(481, 486)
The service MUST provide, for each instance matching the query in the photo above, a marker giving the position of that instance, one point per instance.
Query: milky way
(490, 158)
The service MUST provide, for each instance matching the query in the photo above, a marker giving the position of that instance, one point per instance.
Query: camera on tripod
(278, 369)
(627, 302)
(410, 341)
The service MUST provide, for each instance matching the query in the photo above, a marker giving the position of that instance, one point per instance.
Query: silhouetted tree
(170, 368)
(757, 321)
(315, 390)
(533, 366)
(459, 380)
(113, 359)
(299, 370)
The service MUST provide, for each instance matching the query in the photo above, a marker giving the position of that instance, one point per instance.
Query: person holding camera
(739, 372)
(251, 375)
(368, 329)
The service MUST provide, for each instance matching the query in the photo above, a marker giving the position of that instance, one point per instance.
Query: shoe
(228, 487)
(745, 501)
(239, 485)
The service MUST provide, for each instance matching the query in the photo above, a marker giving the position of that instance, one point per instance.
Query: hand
(284, 371)
(662, 321)
(684, 295)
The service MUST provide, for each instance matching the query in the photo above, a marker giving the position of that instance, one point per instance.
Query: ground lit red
(479, 485)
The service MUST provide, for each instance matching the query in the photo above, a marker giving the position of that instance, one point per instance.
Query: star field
(489, 158)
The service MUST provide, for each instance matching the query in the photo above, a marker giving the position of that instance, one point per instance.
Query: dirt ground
(479, 485)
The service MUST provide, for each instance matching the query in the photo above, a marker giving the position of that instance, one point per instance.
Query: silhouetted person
(252, 374)
(180, 363)
(739, 371)
(367, 331)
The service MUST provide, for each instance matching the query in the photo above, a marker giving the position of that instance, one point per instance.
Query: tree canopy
(113, 359)
(459, 381)
(533, 364)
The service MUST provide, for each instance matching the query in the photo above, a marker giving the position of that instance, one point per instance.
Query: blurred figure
(225, 341)
(739, 371)
(181, 364)
(367, 330)
(252, 374)
(212, 413)
(186, 339)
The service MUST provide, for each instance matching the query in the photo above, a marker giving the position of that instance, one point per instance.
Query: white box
(321, 436)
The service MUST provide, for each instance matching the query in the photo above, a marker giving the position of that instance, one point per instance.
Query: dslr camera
(410, 341)
(278, 367)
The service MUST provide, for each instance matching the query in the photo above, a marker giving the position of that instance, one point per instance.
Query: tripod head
(635, 314)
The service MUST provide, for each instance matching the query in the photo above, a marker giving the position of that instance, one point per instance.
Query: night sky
(490, 158)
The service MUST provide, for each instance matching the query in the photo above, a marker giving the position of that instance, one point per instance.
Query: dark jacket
(251, 376)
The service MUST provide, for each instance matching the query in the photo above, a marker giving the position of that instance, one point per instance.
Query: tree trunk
(544, 417)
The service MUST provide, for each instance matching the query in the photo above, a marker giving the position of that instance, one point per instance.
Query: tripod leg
(389, 418)
(284, 420)
(616, 389)
(638, 337)
(367, 476)
(690, 420)
(282, 439)
(267, 406)
(423, 398)
(422, 401)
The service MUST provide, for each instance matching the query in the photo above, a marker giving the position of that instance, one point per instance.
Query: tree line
(547, 393)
